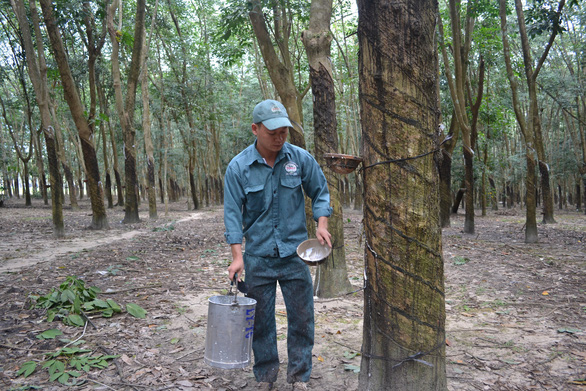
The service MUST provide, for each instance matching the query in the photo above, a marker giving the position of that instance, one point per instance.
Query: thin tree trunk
(331, 277)
(125, 107)
(146, 126)
(40, 165)
(99, 217)
(281, 72)
(445, 173)
(531, 233)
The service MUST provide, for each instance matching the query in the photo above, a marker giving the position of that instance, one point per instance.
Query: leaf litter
(503, 332)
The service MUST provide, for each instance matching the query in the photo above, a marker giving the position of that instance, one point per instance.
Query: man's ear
(255, 129)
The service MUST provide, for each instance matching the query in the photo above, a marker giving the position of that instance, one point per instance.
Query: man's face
(269, 140)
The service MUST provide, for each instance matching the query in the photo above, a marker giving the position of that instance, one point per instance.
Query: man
(264, 204)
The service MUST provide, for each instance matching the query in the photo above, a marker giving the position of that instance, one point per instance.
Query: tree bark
(37, 69)
(404, 324)
(458, 91)
(531, 233)
(62, 159)
(125, 106)
(99, 217)
(445, 173)
(331, 278)
(146, 126)
(531, 74)
(281, 72)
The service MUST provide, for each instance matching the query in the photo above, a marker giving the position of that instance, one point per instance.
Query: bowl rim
(310, 262)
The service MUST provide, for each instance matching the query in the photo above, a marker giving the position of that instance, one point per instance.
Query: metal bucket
(229, 332)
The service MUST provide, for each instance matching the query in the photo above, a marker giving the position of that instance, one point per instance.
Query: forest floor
(516, 313)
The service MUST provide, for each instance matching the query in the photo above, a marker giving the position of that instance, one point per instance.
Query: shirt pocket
(291, 195)
(291, 181)
(255, 200)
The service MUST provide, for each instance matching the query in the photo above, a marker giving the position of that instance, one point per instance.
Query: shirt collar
(254, 155)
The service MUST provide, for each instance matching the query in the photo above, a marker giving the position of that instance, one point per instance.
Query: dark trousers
(294, 279)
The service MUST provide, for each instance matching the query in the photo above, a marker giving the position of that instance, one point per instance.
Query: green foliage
(459, 261)
(136, 311)
(50, 334)
(66, 363)
(73, 300)
(542, 17)
(169, 227)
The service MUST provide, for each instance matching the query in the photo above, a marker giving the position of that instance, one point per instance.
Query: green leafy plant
(66, 363)
(72, 301)
(351, 367)
(458, 261)
(169, 227)
(113, 269)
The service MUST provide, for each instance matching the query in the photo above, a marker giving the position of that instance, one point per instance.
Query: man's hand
(237, 265)
(322, 234)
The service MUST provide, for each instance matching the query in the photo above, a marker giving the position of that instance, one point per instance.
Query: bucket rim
(240, 300)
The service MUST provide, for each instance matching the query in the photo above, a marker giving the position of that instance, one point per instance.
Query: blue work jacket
(265, 205)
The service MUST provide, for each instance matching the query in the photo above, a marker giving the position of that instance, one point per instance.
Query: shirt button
(275, 225)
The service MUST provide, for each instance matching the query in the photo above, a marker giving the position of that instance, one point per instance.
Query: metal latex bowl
(312, 252)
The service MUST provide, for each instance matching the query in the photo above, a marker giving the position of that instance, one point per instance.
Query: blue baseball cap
(272, 114)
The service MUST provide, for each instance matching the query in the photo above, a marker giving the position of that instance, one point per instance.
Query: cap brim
(275, 123)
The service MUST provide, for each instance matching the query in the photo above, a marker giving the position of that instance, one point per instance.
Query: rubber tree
(99, 217)
(280, 68)
(531, 126)
(459, 86)
(125, 104)
(37, 70)
(403, 344)
(331, 278)
(530, 123)
(146, 123)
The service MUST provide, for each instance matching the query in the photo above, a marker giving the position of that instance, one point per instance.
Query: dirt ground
(515, 312)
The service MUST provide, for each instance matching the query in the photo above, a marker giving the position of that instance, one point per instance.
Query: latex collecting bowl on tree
(312, 252)
(342, 164)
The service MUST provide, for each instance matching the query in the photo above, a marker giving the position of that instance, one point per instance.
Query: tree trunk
(445, 173)
(104, 113)
(358, 200)
(19, 152)
(281, 72)
(331, 278)
(125, 106)
(531, 233)
(146, 126)
(469, 185)
(59, 144)
(99, 217)
(458, 199)
(39, 161)
(531, 74)
(404, 322)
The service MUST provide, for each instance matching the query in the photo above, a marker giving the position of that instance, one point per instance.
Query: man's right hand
(237, 265)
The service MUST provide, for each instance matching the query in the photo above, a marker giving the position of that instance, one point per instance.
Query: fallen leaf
(353, 368)
(568, 330)
(127, 360)
(320, 358)
(545, 293)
